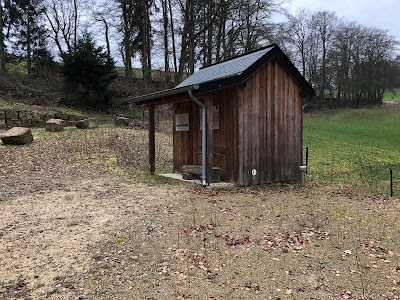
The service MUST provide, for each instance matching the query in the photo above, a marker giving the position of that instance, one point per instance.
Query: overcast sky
(384, 14)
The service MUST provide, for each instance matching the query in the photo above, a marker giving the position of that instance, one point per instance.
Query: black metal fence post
(307, 159)
(391, 183)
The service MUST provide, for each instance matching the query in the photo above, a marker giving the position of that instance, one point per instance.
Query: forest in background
(348, 64)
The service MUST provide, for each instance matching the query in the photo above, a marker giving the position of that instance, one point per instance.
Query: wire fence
(382, 179)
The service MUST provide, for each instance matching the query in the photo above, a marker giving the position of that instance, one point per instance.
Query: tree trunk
(2, 47)
(191, 44)
(219, 39)
(210, 37)
(173, 42)
(127, 40)
(146, 41)
(75, 22)
(167, 77)
(107, 36)
(29, 42)
(184, 44)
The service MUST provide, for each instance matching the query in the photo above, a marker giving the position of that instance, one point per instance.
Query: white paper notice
(182, 122)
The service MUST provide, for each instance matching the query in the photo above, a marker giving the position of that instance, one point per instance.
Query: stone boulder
(55, 125)
(121, 122)
(86, 123)
(17, 136)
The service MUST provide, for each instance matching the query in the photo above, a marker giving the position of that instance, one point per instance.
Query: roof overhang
(162, 95)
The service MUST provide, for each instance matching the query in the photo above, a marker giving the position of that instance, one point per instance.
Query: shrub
(91, 69)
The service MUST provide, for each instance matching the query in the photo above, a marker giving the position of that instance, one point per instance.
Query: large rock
(55, 125)
(121, 122)
(86, 123)
(17, 136)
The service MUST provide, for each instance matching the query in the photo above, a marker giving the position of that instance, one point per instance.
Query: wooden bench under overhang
(190, 172)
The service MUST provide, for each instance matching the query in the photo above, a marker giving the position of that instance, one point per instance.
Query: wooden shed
(253, 112)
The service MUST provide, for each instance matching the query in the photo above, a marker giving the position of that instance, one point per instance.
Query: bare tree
(62, 16)
(105, 14)
(164, 6)
(298, 34)
(174, 52)
(325, 23)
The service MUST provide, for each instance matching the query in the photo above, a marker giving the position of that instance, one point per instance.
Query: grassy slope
(354, 146)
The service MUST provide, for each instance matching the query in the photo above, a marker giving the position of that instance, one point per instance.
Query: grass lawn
(357, 147)
(392, 95)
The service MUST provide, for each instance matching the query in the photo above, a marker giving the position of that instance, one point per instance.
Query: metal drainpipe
(203, 139)
(305, 105)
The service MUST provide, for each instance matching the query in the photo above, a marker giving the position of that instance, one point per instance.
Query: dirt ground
(81, 219)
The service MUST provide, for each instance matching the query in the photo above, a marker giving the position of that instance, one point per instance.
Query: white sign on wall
(182, 122)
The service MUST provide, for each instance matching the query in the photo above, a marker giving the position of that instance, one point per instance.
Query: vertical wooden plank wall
(208, 102)
(269, 127)
(152, 141)
(260, 125)
(183, 147)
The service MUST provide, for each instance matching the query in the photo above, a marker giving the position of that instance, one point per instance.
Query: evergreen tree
(90, 68)
(29, 31)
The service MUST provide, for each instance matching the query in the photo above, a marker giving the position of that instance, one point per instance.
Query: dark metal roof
(165, 93)
(233, 67)
(229, 73)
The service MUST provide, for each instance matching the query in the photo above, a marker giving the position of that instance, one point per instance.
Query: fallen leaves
(232, 241)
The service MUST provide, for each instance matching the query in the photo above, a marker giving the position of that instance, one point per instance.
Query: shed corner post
(152, 140)
(208, 101)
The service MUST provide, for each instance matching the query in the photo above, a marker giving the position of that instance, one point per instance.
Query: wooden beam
(208, 102)
(152, 140)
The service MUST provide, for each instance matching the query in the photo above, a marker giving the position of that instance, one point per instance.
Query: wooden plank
(174, 141)
(263, 132)
(285, 144)
(218, 133)
(290, 130)
(275, 167)
(182, 139)
(208, 102)
(189, 134)
(233, 145)
(270, 121)
(240, 136)
(152, 140)
(196, 133)
(247, 133)
(225, 134)
(281, 134)
(255, 127)
(298, 129)
(234, 132)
